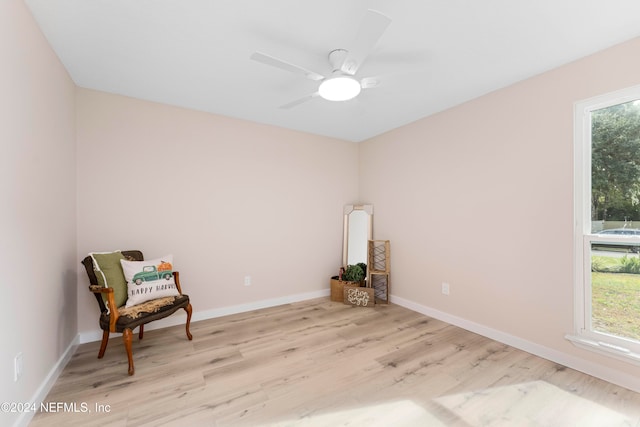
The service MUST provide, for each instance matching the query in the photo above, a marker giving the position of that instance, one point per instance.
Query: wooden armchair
(124, 320)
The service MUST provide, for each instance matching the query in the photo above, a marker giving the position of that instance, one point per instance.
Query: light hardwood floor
(321, 363)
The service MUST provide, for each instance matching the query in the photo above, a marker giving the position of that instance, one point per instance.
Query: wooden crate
(359, 296)
(380, 285)
(379, 257)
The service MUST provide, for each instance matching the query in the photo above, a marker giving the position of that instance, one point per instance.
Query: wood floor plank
(322, 363)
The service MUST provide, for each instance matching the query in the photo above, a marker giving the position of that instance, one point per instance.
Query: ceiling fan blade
(299, 101)
(373, 26)
(275, 62)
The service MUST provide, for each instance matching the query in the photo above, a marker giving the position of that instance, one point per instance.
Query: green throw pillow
(108, 270)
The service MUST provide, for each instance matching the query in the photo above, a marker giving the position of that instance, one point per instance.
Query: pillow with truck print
(147, 280)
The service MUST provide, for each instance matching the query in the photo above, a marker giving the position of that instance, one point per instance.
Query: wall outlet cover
(445, 288)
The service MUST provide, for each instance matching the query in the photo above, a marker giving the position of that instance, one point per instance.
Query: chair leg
(141, 332)
(103, 345)
(127, 336)
(188, 310)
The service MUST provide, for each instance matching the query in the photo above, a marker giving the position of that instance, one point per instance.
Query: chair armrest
(111, 302)
(176, 276)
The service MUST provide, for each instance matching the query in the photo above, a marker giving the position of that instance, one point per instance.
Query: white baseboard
(590, 368)
(596, 370)
(179, 318)
(40, 395)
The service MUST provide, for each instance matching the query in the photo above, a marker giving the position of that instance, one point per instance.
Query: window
(607, 224)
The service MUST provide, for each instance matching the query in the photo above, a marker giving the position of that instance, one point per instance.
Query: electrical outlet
(247, 280)
(445, 288)
(17, 367)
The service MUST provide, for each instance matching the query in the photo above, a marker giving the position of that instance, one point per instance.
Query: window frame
(583, 335)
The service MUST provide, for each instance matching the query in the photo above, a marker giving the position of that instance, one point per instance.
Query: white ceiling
(434, 55)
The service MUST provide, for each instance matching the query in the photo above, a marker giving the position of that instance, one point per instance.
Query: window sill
(604, 348)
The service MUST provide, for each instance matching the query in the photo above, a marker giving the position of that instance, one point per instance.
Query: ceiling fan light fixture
(341, 88)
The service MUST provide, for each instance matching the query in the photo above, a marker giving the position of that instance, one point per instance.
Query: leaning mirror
(358, 230)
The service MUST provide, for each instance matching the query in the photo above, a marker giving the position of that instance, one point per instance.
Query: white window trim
(583, 336)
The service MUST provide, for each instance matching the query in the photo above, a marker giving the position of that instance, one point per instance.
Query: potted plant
(353, 275)
(363, 266)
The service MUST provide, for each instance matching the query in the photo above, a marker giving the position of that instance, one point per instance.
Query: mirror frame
(368, 209)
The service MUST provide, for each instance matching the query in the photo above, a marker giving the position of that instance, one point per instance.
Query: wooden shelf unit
(379, 268)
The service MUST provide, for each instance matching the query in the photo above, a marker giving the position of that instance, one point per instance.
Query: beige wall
(228, 198)
(505, 160)
(38, 213)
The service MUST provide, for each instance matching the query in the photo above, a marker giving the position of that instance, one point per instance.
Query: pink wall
(38, 215)
(228, 198)
(481, 196)
(231, 198)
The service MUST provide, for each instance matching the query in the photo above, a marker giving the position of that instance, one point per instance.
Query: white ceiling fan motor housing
(340, 86)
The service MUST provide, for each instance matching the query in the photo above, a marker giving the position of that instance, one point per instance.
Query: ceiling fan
(341, 84)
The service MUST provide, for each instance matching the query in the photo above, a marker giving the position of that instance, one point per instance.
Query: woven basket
(337, 289)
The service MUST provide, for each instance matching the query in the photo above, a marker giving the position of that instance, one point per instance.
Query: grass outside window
(616, 296)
